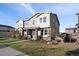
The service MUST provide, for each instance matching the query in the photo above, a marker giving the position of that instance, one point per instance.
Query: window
(44, 19)
(40, 20)
(26, 23)
(33, 21)
(45, 32)
(42, 32)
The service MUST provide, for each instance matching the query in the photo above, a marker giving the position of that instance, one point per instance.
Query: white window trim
(33, 22)
(44, 20)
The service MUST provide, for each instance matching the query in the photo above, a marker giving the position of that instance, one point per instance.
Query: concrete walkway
(8, 51)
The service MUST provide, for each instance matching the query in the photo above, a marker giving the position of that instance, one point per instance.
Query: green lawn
(37, 48)
(7, 40)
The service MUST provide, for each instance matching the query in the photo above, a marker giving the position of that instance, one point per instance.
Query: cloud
(28, 7)
(66, 8)
(6, 16)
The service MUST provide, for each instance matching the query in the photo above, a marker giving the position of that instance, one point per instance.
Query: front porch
(31, 33)
(37, 33)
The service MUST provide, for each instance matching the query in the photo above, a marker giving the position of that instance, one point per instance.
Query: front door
(33, 34)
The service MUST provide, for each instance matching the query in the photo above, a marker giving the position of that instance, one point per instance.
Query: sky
(66, 12)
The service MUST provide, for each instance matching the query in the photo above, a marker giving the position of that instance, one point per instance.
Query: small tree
(19, 35)
(13, 33)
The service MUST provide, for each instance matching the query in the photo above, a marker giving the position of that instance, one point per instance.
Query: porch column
(36, 34)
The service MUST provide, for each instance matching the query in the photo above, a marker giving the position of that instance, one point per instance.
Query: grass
(37, 48)
(7, 40)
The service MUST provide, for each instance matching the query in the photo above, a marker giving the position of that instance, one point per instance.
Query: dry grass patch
(37, 48)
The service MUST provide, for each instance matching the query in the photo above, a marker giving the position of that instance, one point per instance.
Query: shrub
(58, 40)
(13, 33)
(13, 36)
(19, 36)
(73, 40)
(53, 38)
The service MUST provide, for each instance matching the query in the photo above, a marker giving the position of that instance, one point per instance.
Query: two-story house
(20, 26)
(44, 25)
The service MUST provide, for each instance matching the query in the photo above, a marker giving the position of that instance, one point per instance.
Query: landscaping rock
(49, 42)
(54, 42)
(58, 39)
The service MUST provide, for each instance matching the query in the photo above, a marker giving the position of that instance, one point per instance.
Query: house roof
(40, 13)
(6, 26)
(32, 16)
(70, 28)
(77, 13)
(17, 21)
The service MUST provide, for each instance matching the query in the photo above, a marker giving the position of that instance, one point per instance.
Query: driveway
(8, 51)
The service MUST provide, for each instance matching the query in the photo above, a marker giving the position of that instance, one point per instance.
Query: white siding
(26, 24)
(19, 24)
(44, 24)
(29, 23)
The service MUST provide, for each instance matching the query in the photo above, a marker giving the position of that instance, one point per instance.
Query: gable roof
(17, 21)
(37, 15)
(32, 16)
(40, 13)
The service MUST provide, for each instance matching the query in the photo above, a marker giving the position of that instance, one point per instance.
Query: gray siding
(54, 23)
(4, 34)
(5, 31)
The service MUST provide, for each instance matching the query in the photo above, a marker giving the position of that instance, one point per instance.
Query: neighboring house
(77, 25)
(74, 31)
(5, 31)
(45, 25)
(70, 30)
(20, 26)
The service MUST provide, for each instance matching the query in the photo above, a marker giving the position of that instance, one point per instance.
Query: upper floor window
(26, 23)
(33, 21)
(44, 19)
(40, 20)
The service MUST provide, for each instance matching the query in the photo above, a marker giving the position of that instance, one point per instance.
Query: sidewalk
(8, 51)
(5, 50)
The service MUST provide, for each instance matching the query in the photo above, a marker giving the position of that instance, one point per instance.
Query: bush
(73, 40)
(40, 37)
(13, 36)
(69, 53)
(58, 40)
(19, 36)
(53, 38)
